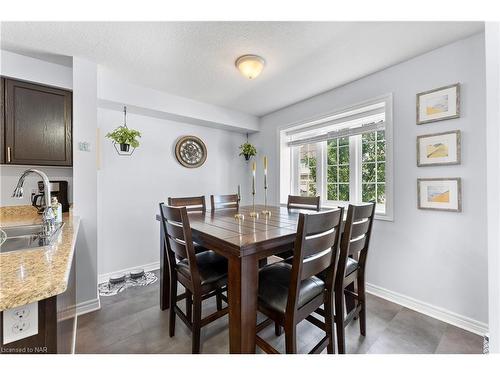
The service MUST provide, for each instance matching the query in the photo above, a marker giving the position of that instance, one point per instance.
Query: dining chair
(220, 202)
(351, 268)
(305, 203)
(203, 275)
(288, 294)
(191, 203)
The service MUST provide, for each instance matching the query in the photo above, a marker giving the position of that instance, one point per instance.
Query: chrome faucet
(48, 215)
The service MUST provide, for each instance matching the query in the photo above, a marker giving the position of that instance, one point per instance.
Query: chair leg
(350, 302)
(189, 305)
(329, 322)
(173, 303)
(290, 338)
(218, 298)
(339, 323)
(277, 329)
(362, 302)
(196, 329)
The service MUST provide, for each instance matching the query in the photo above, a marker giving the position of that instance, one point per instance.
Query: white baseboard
(147, 267)
(88, 306)
(439, 313)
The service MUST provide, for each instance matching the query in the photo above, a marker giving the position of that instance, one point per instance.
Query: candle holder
(239, 216)
(265, 211)
(254, 213)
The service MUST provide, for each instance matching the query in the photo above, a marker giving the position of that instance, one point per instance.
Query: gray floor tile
(94, 337)
(458, 341)
(132, 322)
(420, 330)
(390, 343)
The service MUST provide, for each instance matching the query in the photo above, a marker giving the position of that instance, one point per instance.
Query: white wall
(492, 32)
(85, 180)
(29, 69)
(114, 92)
(438, 258)
(130, 188)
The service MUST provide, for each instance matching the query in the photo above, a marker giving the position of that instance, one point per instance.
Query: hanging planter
(124, 147)
(124, 138)
(247, 150)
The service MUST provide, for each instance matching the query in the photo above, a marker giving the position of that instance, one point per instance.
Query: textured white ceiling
(196, 59)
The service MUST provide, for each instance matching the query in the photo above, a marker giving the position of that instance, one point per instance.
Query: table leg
(164, 274)
(242, 292)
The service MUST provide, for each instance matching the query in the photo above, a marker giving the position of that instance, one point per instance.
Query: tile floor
(132, 322)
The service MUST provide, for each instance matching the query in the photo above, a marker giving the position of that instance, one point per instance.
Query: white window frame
(289, 179)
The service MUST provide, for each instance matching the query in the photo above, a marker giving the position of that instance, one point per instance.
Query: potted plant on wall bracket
(124, 137)
(247, 150)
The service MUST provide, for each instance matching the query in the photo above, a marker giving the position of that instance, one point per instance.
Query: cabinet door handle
(8, 155)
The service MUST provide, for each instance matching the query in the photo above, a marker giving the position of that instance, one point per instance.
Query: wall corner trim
(88, 306)
(447, 316)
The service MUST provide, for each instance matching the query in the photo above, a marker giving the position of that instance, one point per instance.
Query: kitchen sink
(27, 237)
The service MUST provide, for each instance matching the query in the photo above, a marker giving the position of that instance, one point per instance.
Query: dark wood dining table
(244, 243)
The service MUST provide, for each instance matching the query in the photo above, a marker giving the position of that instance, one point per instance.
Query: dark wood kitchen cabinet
(36, 124)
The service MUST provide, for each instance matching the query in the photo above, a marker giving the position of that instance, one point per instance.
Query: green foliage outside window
(338, 169)
(373, 167)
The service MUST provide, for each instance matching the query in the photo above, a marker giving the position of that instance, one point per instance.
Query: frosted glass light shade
(250, 66)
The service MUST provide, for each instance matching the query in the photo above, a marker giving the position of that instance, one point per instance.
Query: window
(337, 173)
(373, 167)
(344, 157)
(307, 171)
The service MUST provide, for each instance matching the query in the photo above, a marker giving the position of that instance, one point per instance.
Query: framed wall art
(439, 149)
(439, 104)
(444, 194)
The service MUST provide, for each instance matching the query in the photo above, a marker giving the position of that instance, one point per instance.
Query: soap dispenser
(57, 208)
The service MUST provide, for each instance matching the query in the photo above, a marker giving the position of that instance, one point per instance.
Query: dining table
(246, 242)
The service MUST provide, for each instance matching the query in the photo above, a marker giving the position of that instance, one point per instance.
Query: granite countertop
(32, 275)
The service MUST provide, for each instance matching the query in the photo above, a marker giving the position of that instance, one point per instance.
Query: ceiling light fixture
(250, 65)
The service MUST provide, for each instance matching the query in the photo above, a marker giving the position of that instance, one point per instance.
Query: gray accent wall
(438, 259)
(130, 188)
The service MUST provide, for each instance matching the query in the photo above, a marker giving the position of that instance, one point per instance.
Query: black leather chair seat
(351, 266)
(199, 248)
(211, 266)
(274, 281)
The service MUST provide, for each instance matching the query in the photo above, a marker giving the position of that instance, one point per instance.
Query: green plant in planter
(248, 150)
(125, 136)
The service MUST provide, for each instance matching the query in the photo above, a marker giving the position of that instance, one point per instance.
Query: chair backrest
(355, 238)
(178, 239)
(315, 250)
(220, 202)
(191, 203)
(305, 203)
